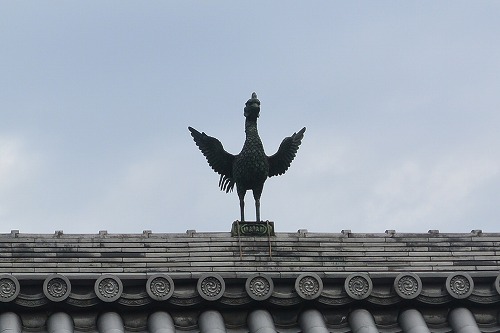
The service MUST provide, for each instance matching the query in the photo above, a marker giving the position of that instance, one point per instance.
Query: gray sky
(400, 100)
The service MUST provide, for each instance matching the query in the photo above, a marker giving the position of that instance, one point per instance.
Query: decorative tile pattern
(211, 287)
(259, 287)
(56, 287)
(459, 285)
(358, 286)
(308, 286)
(408, 285)
(9, 288)
(108, 288)
(160, 287)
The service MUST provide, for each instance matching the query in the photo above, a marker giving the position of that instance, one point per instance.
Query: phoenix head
(252, 108)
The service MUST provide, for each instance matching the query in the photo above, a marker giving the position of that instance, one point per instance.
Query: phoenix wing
(220, 160)
(280, 162)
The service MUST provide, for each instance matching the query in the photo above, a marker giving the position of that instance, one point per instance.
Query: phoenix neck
(251, 127)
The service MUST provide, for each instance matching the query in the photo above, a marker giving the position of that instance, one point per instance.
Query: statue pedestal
(252, 229)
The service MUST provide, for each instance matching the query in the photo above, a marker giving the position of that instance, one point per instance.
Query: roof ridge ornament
(249, 169)
(476, 232)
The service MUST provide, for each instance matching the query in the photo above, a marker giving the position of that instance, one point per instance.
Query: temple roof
(285, 254)
(288, 282)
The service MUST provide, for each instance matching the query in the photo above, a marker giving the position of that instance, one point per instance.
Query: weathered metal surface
(251, 167)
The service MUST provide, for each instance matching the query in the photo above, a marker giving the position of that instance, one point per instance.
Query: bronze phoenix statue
(251, 167)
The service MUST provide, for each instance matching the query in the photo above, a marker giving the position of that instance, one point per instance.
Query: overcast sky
(401, 100)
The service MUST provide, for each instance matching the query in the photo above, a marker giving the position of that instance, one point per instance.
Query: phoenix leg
(241, 196)
(256, 194)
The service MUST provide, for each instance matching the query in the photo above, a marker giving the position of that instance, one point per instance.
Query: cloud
(414, 193)
(17, 163)
(18, 166)
(146, 192)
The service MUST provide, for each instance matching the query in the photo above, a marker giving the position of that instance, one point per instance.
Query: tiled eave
(380, 269)
(286, 253)
(134, 300)
(343, 277)
(118, 290)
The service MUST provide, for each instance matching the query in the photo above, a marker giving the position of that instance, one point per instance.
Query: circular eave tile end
(9, 288)
(108, 288)
(309, 286)
(358, 286)
(211, 287)
(160, 287)
(408, 285)
(56, 287)
(259, 287)
(459, 285)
